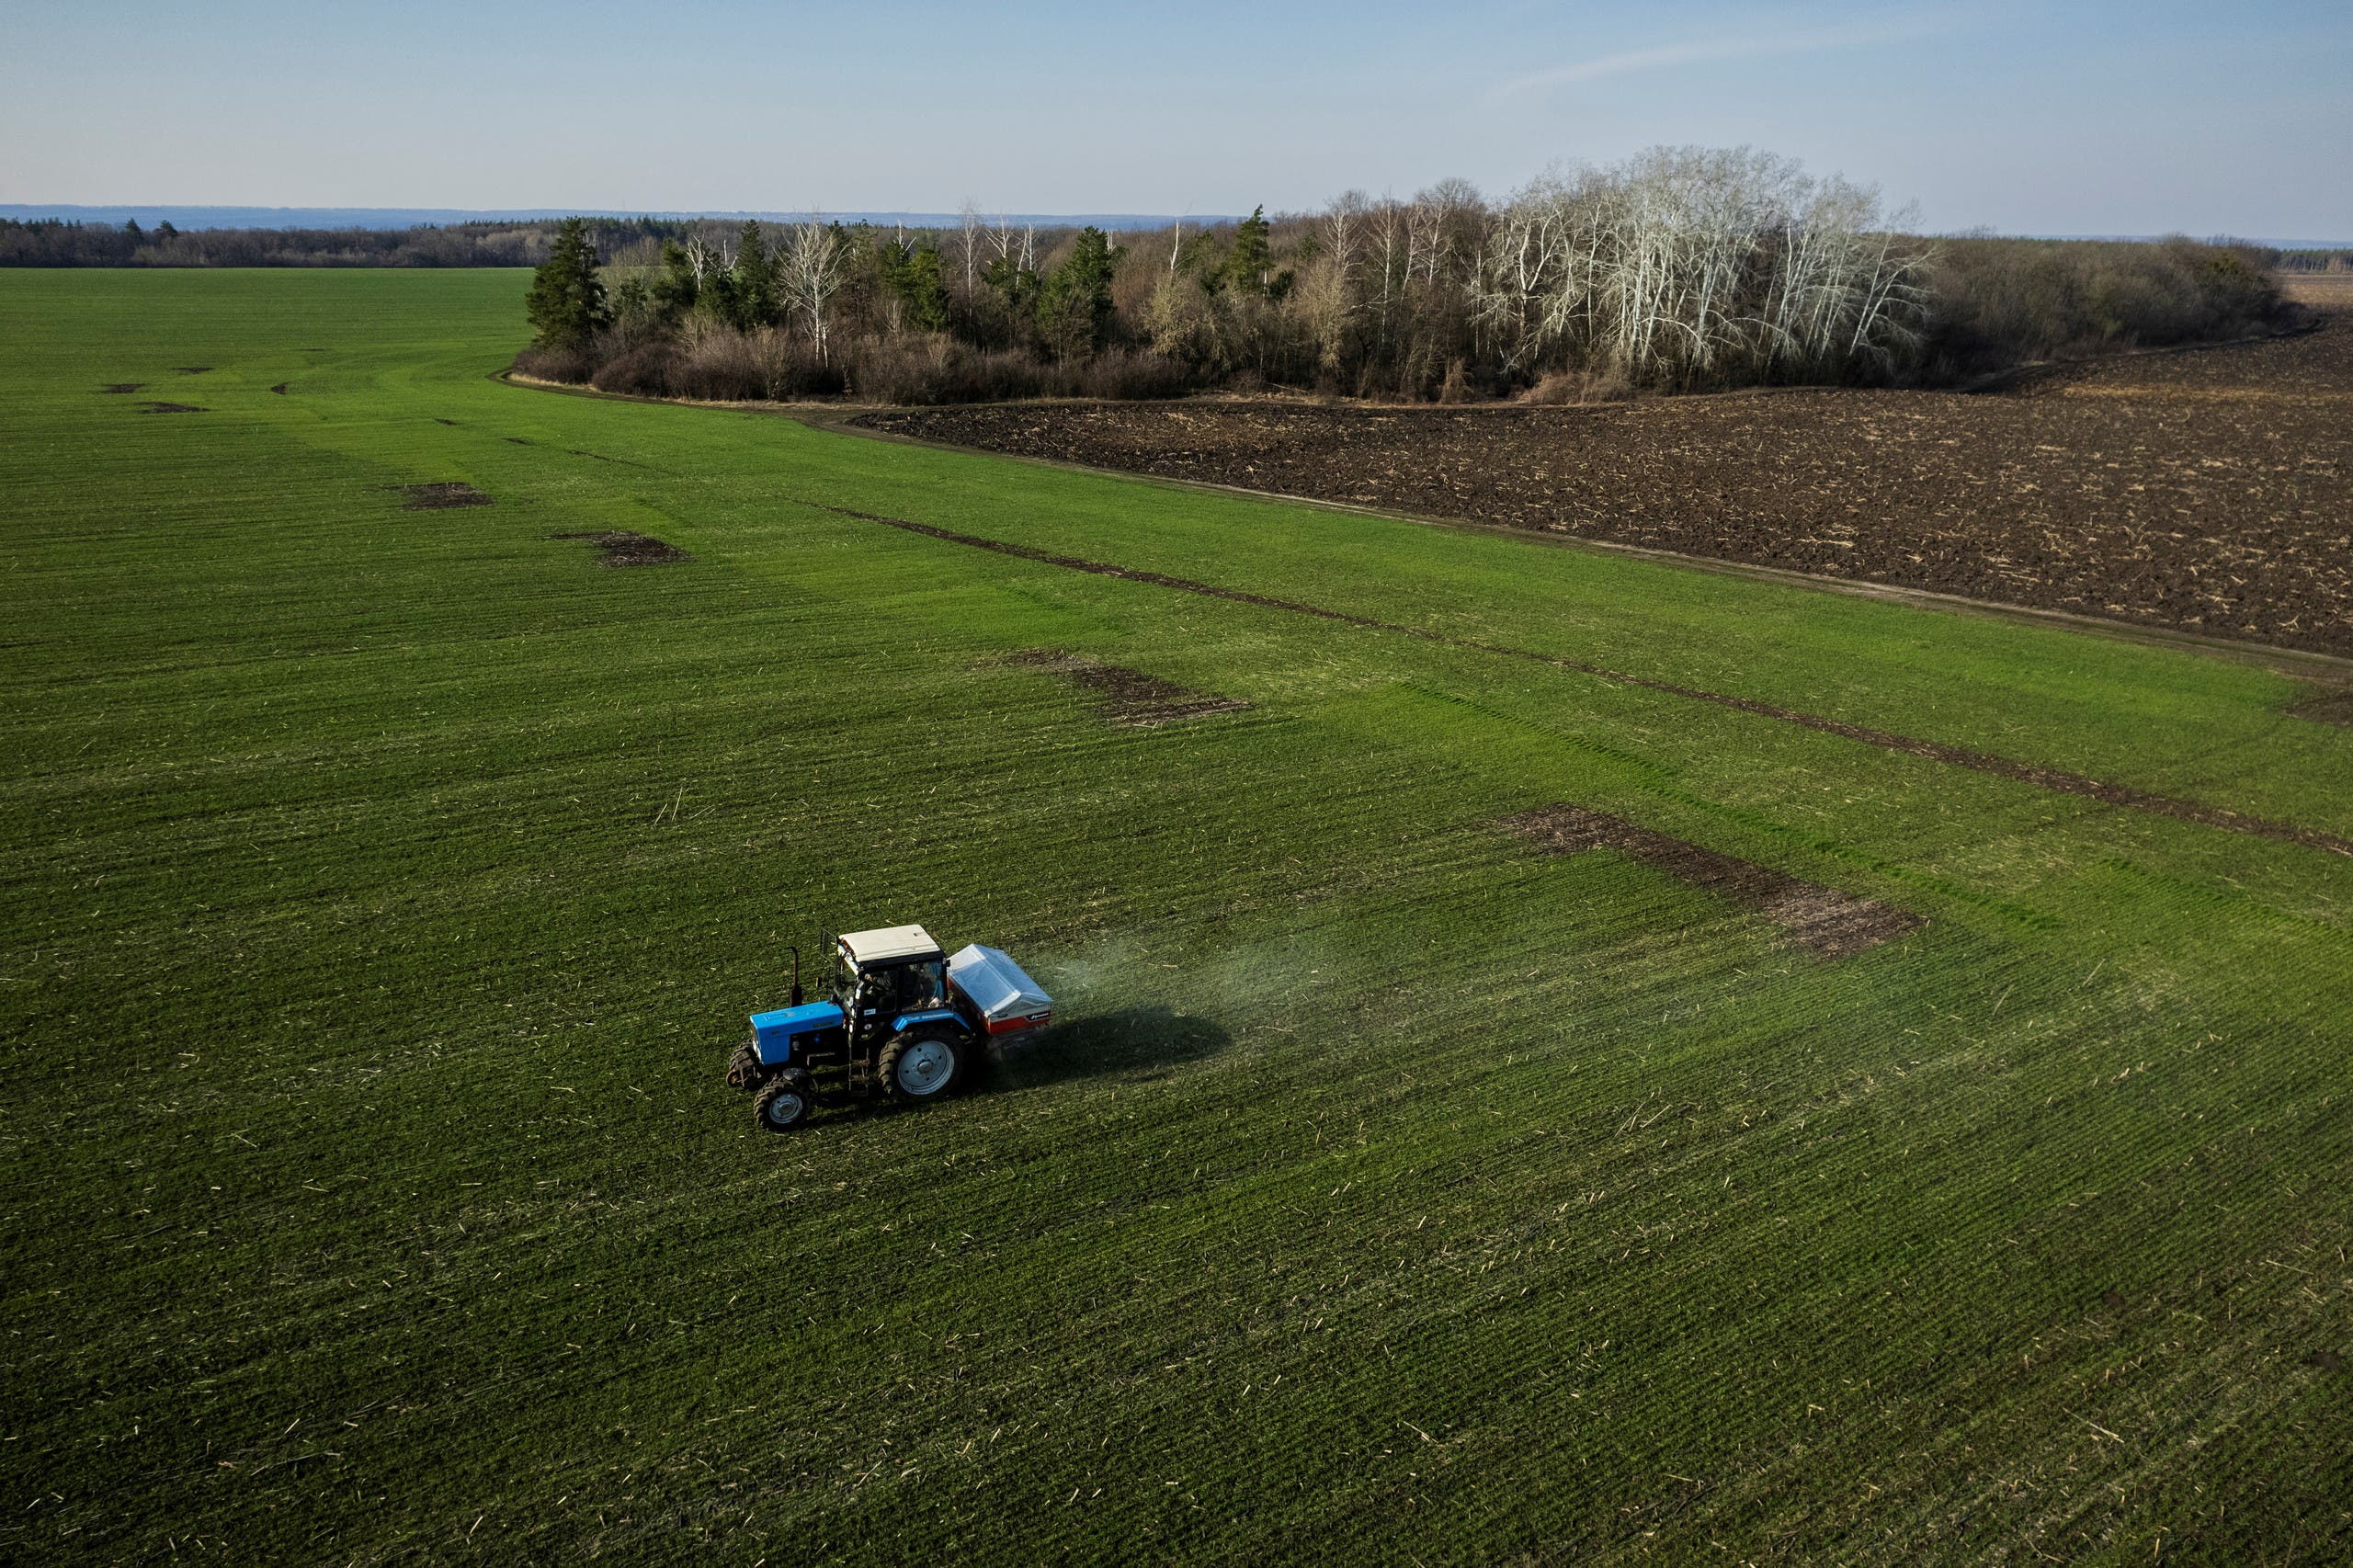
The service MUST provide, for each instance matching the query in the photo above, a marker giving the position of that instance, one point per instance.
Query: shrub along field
(1594, 1062)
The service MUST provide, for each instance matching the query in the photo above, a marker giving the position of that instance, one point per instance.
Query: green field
(384, 888)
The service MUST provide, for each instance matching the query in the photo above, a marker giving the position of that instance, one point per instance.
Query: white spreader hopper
(1010, 1004)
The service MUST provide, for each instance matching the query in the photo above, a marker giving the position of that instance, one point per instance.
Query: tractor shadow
(1139, 1044)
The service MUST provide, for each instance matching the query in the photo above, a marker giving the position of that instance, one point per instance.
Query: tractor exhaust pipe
(796, 975)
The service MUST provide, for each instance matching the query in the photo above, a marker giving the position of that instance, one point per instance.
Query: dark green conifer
(1017, 289)
(1248, 262)
(920, 285)
(676, 291)
(1075, 309)
(752, 294)
(567, 299)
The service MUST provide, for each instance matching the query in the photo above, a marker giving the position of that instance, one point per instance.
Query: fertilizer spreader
(905, 1022)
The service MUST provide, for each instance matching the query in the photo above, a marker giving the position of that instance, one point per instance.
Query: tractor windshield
(898, 988)
(924, 986)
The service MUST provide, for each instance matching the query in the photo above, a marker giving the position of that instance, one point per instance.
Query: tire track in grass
(2050, 778)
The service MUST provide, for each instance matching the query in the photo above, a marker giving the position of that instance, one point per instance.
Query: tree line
(1684, 268)
(50, 242)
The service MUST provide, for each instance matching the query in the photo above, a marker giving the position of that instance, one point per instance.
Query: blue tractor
(906, 1022)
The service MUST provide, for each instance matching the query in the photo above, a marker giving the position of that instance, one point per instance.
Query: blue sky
(2055, 117)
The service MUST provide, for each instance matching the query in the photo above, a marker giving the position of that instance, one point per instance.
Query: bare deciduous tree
(1688, 265)
(813, 270)
(1328, 292)
(968, 218)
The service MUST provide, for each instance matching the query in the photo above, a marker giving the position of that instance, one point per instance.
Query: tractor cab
(884, 980)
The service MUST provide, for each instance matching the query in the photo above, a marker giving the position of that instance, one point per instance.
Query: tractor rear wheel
(786, 1102)
(921, 1066)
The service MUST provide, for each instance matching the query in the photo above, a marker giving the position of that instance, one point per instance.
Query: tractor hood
(774, 1032)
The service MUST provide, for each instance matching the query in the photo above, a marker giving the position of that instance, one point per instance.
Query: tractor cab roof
(892, 944)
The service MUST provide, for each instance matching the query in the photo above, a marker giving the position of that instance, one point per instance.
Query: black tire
(785, 1103)
(923, 1065)
(744, 1071)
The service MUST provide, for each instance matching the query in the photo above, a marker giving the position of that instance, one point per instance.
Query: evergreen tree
(675, 292)
(717, 297)
(1247, 264)
(916, 278)
(752, 294)
(567, 299)
(1016, 287)
(1075, 309)
(635, 309)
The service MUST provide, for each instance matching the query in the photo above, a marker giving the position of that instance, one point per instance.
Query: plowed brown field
(2209, 491)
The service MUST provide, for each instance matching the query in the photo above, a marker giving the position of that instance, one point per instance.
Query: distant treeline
(626, 241)
(50, 242)
(1682, 269)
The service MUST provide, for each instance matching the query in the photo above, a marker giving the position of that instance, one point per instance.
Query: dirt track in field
(2210, 492)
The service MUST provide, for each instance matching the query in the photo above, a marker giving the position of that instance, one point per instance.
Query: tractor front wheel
(786, 1102)
(744, 1068)
(921, 1065)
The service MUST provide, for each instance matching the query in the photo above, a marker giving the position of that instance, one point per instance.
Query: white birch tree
(814, 268)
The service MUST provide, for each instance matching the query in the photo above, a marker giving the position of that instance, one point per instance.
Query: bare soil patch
(280, 388)
(122, 386)
(622, 547)
(1822, 921)
(154, 407)
(2328, 708)
(441, 494)
(2210, 492)
(1130, 697)
(193, 369)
